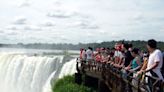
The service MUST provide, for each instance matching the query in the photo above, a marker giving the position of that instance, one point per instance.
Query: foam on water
(23, 73)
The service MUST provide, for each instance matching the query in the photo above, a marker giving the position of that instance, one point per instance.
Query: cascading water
(24, 73)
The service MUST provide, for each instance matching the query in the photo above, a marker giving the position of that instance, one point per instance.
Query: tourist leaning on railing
(144, 65)
(98, 59)
(103, 55)
(118, 56)
(127, 61)
(127, 55)
(136, 62)
(153, 66)
(111, 60)
(126, 58)
(155, 61)
(135, 65)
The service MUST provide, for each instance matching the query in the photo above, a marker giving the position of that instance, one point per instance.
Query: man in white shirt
(89, 58)
(155, 61)
(89, 54)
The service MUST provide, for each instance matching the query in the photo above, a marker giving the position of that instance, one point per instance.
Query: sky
(84, 21)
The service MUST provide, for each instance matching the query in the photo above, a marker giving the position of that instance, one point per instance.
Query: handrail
(111, 71)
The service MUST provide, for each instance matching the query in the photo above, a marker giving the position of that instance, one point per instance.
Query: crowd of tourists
(127, 59)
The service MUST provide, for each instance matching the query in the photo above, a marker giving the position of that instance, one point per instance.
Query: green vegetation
(67, 84)
(139, 44)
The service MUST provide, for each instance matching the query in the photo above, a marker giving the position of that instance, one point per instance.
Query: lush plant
(67, 84)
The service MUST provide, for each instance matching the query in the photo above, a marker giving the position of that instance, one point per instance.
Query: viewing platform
(107, 78)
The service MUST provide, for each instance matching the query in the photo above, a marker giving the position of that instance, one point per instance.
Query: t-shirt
(128, 58)
(134, 62)
(154, 57)
(83, 55)
(98, 58)
(89, 54)
(118, 54)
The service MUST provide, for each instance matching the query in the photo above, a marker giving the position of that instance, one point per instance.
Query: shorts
(90, 61)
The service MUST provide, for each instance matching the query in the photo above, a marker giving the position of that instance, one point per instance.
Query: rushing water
(30, 73)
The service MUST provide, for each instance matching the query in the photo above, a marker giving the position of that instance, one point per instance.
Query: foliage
(67, 84)
(139, 44)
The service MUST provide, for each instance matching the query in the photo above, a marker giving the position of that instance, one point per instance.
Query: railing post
(77, 66)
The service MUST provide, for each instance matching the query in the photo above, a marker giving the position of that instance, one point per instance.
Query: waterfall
(68, 68)
(24, 73)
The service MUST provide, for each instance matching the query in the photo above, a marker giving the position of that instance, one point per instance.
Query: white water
(23, 73)
(68, 68)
